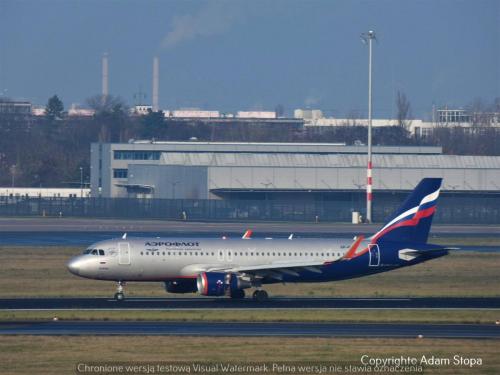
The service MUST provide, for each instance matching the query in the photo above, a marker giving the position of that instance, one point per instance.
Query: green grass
(465, 241)
(60, 355)
(268, 315)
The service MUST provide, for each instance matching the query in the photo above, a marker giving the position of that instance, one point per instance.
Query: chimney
(105, 87)
(156, 83)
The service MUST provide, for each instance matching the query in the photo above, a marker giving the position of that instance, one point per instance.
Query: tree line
(50, 150)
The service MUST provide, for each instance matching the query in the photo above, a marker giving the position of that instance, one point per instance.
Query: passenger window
(101, 252)
(142, 253)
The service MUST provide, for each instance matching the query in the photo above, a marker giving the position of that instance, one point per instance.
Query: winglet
(124, 237)
(247, 235)
(352, 250)
(290, 237)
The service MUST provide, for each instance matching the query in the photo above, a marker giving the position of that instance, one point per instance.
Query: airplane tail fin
(412, 220)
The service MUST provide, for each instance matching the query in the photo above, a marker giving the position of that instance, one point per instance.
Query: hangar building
(273, 171)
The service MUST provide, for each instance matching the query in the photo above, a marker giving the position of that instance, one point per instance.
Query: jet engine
(218, 283)
(181, 286)
(211, 283)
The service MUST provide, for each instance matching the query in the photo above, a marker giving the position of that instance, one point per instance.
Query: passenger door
(124, 253)
(374, 255)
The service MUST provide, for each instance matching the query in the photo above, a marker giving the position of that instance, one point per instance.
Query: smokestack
(105, 87)
(156, 83)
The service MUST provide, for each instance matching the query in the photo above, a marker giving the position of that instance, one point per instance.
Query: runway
(467, 331)
(245, 304)
(36, 224)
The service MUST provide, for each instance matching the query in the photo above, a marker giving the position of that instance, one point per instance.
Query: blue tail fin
(411, 222)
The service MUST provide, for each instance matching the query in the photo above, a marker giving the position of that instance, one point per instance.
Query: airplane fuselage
(163, 259)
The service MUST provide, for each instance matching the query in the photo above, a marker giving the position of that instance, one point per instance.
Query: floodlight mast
(368, 38)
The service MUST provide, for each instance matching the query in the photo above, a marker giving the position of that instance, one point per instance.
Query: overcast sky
(249, 55)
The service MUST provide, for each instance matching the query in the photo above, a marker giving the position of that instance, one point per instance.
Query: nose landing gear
(119, 296)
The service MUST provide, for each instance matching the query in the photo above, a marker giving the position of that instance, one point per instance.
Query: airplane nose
(74, 266)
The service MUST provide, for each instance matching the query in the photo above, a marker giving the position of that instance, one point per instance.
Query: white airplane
(218, 267)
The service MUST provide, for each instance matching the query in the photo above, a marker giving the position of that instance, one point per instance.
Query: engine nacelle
(181, 286)
(218, 283)
(237, 282)
(211, 283)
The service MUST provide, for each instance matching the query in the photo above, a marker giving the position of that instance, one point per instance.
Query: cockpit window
(87, 251)
(101, 252)
(94, 252)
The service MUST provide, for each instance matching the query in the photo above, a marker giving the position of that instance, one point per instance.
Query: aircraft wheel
(119, 296)
(260, 295)
(237, 294)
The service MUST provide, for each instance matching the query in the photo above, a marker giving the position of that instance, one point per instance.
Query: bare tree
(404, 111)
(351, 118)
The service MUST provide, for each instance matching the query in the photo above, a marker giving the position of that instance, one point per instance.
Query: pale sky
(251, 55)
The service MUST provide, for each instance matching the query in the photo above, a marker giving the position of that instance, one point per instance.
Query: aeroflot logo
(168, 243)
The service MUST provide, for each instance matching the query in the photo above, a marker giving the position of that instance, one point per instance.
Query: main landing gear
(119, 296)
(237, 294)
(260, 295)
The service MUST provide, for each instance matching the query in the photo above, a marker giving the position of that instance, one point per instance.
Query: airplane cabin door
(374, 252)
(124, 253)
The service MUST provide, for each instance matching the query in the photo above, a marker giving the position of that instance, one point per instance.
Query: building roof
(271, 147)
(328, 161)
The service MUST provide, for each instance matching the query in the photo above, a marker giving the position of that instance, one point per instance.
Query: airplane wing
(275, 270)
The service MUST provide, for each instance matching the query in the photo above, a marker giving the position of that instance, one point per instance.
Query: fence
(451, 209)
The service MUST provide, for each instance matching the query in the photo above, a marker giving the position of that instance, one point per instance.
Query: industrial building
(274, 171)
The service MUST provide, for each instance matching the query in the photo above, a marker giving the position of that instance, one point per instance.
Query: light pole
(13, 171)
(81, 182)
(368, 38)
(173, 188)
